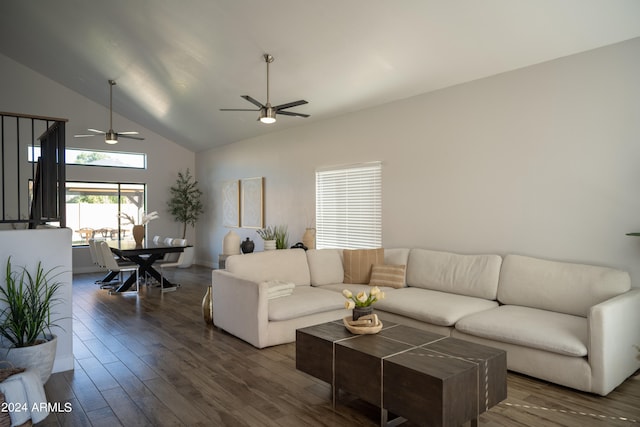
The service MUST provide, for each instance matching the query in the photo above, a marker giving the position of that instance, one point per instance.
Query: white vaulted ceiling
(178, 62)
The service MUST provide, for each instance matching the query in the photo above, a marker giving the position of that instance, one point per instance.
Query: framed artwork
(252, 203)
(231, 203)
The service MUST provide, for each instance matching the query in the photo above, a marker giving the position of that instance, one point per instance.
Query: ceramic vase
(207, 307)
(309, 238)
(269, 245)
(231, 243)
(138, 234)
(247, 246)
(358, 312)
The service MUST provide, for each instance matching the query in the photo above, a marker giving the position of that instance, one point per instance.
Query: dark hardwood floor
(150, 360)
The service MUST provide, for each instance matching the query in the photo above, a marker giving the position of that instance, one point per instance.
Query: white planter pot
(38, 357)
(269, 245)
(189, 254)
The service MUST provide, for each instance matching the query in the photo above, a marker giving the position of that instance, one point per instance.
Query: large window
(93, 209)
(102, 158)
(349, 207)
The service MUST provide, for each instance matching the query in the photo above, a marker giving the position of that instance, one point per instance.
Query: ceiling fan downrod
(269, 114)
(110, 135)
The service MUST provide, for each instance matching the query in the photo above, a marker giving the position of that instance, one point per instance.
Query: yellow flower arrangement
(361, 299)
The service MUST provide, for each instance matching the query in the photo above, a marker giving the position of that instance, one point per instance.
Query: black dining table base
(145, 267)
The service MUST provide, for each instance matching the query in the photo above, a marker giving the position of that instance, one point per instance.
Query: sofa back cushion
(325, 266)
(358, 263)
(558, 286)
(472, 275)
(286, 265)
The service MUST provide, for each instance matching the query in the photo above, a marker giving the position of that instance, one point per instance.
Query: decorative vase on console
(247, 246)
(231, 243)
(309, 238)
(269, 245)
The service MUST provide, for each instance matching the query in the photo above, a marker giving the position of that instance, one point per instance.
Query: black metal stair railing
(32, 170)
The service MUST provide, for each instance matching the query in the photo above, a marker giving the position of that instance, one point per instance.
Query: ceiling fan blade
(290, 104)
(289, 113)
(253, 101)
(97, 131)
(236, 109)
(82, 136)
(129, 133)
(130, 137)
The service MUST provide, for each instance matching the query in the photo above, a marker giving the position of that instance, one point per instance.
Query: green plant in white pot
(27, 299)
(185, 206)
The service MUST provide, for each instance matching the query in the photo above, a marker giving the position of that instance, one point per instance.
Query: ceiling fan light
(267, 115)
(111, 137)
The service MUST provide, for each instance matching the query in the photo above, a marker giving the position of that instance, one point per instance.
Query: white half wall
(52, 247)
(542, 161)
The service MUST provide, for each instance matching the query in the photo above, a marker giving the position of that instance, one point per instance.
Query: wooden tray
(369, 324)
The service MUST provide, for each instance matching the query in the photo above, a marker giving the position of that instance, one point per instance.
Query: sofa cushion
(558, 286)
(325, 266)
(287, 265)
(304, 300)
(388, 275)
(397, 256)
(437, 308)
(530, 327)
(358, 262)
(471, 275)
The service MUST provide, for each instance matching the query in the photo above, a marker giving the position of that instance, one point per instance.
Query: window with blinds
(349, 207)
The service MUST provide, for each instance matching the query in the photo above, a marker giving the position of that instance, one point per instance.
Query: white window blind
(349, 207)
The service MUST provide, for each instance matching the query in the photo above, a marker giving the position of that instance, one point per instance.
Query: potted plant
(282, 236)
(185, 206)
(268, 234)
(361, 303)
(25, 320)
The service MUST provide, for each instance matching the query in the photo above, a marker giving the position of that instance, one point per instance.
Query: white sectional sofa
(571, 324)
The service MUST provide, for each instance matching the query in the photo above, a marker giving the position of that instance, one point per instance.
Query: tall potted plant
(185, 206)
(25, 319)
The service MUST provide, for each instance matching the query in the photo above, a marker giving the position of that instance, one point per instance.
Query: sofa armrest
(614, 330)
(240, 307)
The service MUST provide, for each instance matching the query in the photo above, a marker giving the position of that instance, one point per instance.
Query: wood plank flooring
(150, 360)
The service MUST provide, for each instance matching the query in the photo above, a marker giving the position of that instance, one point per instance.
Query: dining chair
(111, 264)
(180, 260)
(171, 256)
(92, 251)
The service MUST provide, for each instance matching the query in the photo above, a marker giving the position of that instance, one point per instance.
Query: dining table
(145, 255)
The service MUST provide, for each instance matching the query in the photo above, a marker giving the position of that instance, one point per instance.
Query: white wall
(25, 91)
(52, 247)
(542, 161)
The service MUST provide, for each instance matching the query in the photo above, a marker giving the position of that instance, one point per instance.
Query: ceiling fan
(268, 112)
(110, 136)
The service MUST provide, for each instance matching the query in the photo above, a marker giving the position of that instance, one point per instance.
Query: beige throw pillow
(388, 275)
(358, 263)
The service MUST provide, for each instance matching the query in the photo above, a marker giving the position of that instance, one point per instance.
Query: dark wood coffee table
(417, 375)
